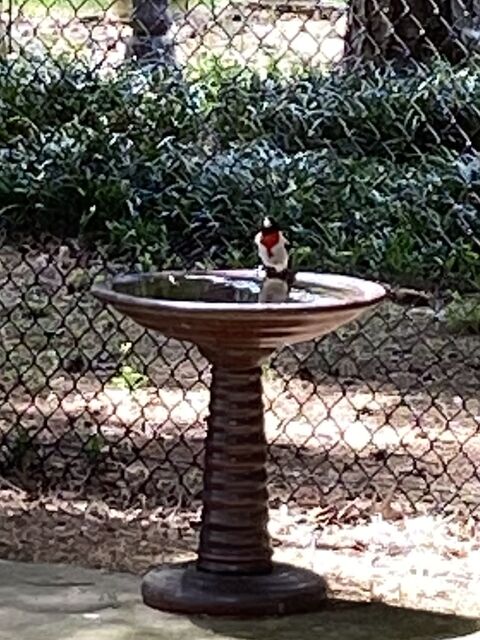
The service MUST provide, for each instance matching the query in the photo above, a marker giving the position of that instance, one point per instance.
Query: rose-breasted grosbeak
(272, 249)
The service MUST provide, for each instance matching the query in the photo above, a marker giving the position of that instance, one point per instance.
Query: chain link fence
(104, 33)
(373, 171)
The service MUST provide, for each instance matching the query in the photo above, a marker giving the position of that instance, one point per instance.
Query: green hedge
(371, 173)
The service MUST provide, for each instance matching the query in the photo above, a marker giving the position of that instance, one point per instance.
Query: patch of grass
(268, 372)
(21, 450)
(463, 314)
(129, 377)
(94, 447)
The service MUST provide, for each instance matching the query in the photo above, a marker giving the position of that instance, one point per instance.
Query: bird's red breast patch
(269, 240)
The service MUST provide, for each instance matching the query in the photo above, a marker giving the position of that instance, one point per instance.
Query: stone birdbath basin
(220, 312)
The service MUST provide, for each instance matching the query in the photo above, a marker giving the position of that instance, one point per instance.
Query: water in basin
(219, 289)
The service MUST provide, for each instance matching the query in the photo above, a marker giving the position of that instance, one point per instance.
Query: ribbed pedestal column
(234, 536)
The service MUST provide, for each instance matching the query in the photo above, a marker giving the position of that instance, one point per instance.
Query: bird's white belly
(278, 258)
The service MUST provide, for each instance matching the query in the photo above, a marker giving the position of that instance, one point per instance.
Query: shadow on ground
(347, 621)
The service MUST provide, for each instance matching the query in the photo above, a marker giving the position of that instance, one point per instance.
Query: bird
(273, 253)
(272, 249)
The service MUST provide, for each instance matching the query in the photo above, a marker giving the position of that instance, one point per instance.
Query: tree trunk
(150, 42)
(3, 34)
(382, 31)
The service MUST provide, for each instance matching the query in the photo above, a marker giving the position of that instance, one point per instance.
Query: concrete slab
(59, 602)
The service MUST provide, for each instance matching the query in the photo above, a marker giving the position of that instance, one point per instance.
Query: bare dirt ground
(374, 441)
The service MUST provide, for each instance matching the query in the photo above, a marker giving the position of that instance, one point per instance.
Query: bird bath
(220, 312)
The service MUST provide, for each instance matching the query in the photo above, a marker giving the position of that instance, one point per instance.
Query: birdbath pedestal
(219, 311)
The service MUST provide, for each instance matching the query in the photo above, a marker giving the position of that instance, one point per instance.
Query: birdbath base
(183, 588)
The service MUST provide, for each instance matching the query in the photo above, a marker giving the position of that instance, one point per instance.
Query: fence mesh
(101, 32)
(101, 422)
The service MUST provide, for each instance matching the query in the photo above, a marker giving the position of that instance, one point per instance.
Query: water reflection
(274, 290)
(218, 289)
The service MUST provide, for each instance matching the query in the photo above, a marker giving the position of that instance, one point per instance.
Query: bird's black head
(269, 226)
